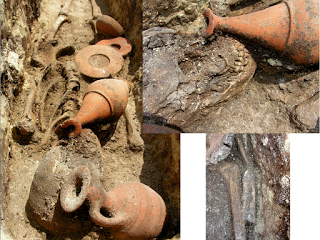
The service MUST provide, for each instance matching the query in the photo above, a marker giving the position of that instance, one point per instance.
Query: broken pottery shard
(306, 114)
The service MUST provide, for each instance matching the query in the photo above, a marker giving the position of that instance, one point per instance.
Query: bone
(72, 87)
(94, 28)
(47, 133)
(230, 173)
(248, 196)
(244, 158)
(248, 185)
(65, 9)
(42, 105)
(134, 138)
(61, 19)
(96, 11)
(26, 125)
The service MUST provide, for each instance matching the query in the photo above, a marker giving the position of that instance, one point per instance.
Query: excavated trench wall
(157, 165)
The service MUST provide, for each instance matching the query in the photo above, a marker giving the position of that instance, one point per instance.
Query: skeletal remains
(242, 206)
(44, 57)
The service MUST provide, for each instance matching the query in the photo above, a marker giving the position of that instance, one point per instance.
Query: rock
(218, 147)
(185, 77)
(306, 114)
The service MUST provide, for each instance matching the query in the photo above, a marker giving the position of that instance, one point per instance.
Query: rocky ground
(154, 163)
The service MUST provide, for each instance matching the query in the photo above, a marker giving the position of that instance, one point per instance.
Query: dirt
(268, 102)
(22, 154)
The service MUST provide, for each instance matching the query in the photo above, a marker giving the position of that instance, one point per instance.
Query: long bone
(230, 173)
(62, 17)
(26, 125)
(96, 11)
(72, 87)
(248, 186)
(68, 100)
(134, 138)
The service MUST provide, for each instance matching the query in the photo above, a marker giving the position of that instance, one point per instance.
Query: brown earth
(156, 164)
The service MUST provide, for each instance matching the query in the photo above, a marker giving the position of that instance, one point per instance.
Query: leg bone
(134, 138)
(96, 11)
(230, 173)
(26, 125)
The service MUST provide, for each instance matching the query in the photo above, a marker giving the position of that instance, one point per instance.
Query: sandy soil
(122, 163)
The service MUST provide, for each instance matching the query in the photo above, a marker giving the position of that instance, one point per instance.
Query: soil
(22, 152)
(267, 103)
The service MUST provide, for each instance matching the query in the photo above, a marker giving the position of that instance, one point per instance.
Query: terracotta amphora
(291, 27)
(103, 99)
(131, 210)
(43, 205)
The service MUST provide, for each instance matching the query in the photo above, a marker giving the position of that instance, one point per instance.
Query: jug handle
(69, 199)
(96, 205)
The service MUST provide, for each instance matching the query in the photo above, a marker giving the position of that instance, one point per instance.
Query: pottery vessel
(122, 45)
(103, 99)
(43, 205)
(131, 210)
(108, 26)
(291, 27)
(99, 61)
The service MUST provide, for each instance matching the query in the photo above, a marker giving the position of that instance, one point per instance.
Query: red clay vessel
(137, 211)
(132, 210)
(291, 27)
(108, 26)
(103, 99)
(98, 61)
(122, 45)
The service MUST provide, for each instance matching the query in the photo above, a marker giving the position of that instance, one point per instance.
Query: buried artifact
(291, 27)
(103, 99)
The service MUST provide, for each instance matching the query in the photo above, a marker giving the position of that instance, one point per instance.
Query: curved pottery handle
(96, 204)
(69, 199)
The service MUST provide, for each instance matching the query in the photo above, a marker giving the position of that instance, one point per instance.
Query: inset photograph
(231, 66)
(247, 186)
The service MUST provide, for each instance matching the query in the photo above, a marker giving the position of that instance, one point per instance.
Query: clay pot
(103, 99)
(99, 61)
(108, 26)
(122, 45)
(291, 27)
(44, 204)
(135, 211)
